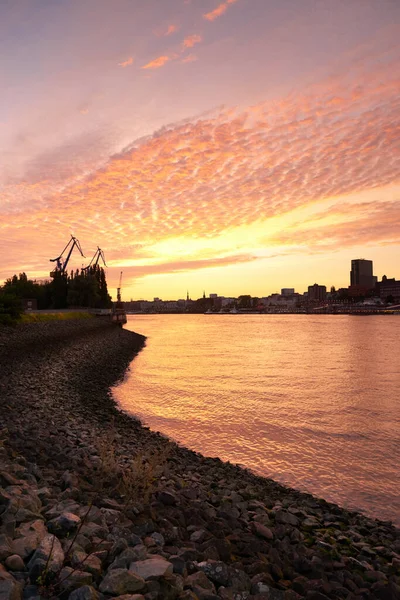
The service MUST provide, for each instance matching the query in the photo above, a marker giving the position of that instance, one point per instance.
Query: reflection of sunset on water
(202, 145)
(310, 401)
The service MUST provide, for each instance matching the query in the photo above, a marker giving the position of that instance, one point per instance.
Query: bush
(10, 309)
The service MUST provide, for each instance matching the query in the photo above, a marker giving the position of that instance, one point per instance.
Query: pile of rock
(94, 506)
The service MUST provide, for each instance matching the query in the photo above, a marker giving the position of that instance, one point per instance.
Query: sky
(226, 146)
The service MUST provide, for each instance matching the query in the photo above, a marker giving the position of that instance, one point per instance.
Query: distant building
(287, 291)
(361, 274)
(213, 295)
(29, 304)
(389, 287)
(316, 292)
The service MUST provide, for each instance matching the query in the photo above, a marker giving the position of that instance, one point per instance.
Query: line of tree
(84, 288)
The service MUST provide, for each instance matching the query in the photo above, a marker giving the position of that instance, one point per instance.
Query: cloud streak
(166, 32)
(157, 63)
(127, 62)
(219, 10)
(191, 41)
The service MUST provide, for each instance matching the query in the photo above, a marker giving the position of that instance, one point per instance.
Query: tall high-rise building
(362, 273)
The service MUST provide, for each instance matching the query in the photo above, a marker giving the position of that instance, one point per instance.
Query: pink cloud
(157, 62)
(219, 10)
(127, 62)
(166, 32)
(189, 58)
(221, 170)
(191, 41)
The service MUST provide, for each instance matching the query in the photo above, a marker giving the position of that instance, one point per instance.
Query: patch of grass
(64, 316)
(133, 481)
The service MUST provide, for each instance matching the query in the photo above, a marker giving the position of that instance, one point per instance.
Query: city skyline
(240, 146)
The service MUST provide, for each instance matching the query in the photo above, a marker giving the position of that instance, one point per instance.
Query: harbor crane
(119, 288)
(96, 257)
(119, 314)
(63, 263)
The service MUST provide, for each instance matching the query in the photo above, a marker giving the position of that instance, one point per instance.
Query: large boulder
(49, 555)
(121, 581)
(152, 567)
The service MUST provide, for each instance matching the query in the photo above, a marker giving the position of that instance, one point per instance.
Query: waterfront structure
(389, 288)
(361, 274)
(287, 291)
(316, 292)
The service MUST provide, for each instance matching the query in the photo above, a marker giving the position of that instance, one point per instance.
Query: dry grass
(133, 481)
(64, 316)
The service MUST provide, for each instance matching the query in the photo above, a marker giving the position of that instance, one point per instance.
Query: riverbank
(95, 504)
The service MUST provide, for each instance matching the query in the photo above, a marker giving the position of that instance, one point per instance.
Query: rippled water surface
(311, 401)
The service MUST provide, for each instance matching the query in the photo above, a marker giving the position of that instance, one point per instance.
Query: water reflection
(309, 400)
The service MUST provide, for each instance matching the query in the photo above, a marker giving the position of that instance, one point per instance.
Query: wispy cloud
(189, 58)
(127, 62)
(191, 41)
(157, 62)
(183, 265)
(219, 10)
(169, 30)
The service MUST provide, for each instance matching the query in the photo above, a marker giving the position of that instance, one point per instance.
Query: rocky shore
(94, 506)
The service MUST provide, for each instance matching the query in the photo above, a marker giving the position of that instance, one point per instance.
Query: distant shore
(96, 505)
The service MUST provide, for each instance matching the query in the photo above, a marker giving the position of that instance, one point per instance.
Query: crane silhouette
(99, 254)
(62, 264)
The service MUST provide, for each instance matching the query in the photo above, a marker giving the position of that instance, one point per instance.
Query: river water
(310, 401)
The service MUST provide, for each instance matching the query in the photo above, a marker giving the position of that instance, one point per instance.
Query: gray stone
(262, 531)
(167, 498)
(217, 571)
(71, 579)
(86, 592)
(15, 563)
(199, 579)
(130, 597)
(152, 567)
(158, 538)
(121, 581)
(64, 523)
(48, 553)
(10, 590)
(129, 556)
(198, 536)
(281, 516)
(188, 595)
(28, 537)
(179, 565)
(88, 562)
(5, 547)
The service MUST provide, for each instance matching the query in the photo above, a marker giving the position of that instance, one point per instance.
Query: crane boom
(96, 257)
(62, 265)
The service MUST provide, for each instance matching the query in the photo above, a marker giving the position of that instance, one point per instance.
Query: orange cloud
(157, 63)
(189, 58)
(371, 222)
(186, 265)
(126, 63)
(168, 31)
(220, 10)
(191, 41)
(225, 169)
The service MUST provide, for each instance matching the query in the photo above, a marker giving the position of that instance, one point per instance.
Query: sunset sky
(234, 146)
